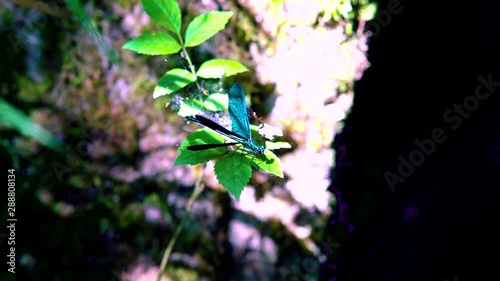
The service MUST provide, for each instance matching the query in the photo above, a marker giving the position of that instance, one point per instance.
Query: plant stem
(199, 186)
(191, 67)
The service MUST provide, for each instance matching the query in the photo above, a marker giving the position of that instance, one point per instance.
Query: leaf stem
(191, 67)
(186, 55)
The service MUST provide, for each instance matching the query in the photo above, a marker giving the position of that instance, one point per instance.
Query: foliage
(234, 167)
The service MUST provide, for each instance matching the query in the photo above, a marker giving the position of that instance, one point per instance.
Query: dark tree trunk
(435, 221)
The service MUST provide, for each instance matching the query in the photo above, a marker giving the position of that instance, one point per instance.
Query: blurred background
(94, 152)
(354, 85)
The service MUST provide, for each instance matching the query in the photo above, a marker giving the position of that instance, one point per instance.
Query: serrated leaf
(272, 164)
(216, 102)
(190, 107)
(216, 68)
(165, 12)
(201, 136)
(277, 145)
(154, 44)
(172, 81)
(233, 173)
(205, 26)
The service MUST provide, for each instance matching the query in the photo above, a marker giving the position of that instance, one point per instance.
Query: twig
(199, 186)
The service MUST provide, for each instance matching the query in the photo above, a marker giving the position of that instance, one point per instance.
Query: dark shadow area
(435, 221)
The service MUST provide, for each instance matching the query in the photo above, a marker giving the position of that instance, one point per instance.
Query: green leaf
(271, 164)
(277, 145)
(205, 26)
(217, 68)
(190, 107)
(16, 119)
(172, 81)
(233, 173)
(201, 136)
(367, 13)
(165, 12)
(154, 44)
(216, 102)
